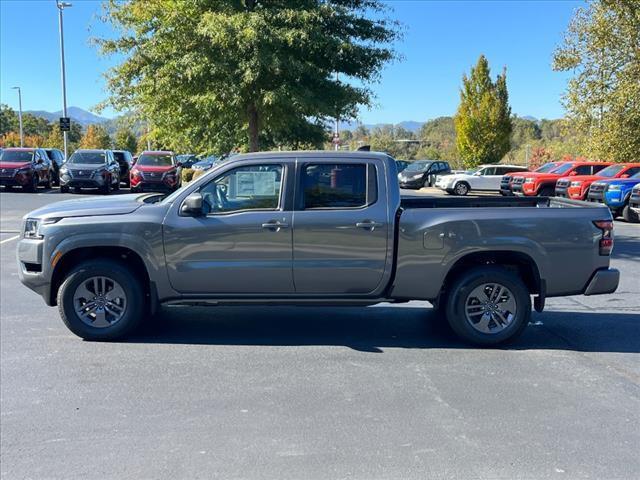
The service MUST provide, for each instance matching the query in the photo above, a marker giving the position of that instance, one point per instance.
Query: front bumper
(75, 182)
(32, 272)
(148, 186)
(603, 281)
(596, 197)
(15, 181)
(412, 183)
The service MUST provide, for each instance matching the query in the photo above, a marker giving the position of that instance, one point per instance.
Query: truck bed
(491, 202)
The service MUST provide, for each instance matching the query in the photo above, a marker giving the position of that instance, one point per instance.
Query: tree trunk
(252, 113)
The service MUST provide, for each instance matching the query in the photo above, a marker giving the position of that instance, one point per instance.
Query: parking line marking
(9, 239)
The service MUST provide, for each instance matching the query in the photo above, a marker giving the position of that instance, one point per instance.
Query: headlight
(529, 180)
(64, 170)
(31, 227)
(614, 187)
(576, 184)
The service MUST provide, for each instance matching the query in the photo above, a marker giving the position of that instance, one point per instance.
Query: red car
(155, 171)
(506, 183)
(538, 183)
(25, 167)
(576, 187)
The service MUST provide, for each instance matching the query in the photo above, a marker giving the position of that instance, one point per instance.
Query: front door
(243, 244)
(340, 228)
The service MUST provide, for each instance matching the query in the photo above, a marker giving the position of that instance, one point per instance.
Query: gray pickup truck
(313, 228)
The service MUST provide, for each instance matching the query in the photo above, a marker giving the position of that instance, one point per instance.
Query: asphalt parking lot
(384, 392)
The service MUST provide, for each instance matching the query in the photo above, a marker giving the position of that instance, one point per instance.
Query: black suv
(125, 161)
(90, 169)
(422, 173)
(57, 159)
(25, 167)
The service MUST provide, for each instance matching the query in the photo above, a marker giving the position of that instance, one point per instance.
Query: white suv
(484, 178)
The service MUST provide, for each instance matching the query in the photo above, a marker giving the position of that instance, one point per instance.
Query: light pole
(61, 6)
(20, 115)
(336, 133)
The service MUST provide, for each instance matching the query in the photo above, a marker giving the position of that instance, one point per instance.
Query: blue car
(615, 194)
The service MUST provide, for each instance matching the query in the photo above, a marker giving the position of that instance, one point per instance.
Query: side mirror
(624, 175)
(573, 173)
(192, 205)
(40, 161)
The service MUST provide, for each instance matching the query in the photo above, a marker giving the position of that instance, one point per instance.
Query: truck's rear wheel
(488, 306)
(101, 300)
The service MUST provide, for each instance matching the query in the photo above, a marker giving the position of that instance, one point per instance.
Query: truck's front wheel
(101, 300)
(488, 306)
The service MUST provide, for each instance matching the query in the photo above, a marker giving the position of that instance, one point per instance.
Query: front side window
(584, 170)
(335, 185)
(254, 187)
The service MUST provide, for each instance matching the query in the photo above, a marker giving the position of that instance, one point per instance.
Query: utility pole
(20, 115)
(336, 132)
(61, 6)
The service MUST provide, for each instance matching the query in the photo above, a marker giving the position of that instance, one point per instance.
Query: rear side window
(338, 185)
(585, 170)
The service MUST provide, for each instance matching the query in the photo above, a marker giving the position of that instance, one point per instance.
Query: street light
(61, 6)
(20, 114)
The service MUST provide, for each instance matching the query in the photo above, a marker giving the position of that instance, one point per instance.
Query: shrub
(187, 175)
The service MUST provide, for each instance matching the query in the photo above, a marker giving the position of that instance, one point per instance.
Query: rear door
(341, 227)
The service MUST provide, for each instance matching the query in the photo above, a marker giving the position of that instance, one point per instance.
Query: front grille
(635, 195)
(595, 188)
(81, 173)
(504, 183)
(563, 184)
(518, 180)
(8, 172)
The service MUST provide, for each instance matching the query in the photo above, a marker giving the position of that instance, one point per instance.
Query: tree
(124, 139)
(8, 119)
(218, 74)
(483, 120)
(602, 47)
(96, 136)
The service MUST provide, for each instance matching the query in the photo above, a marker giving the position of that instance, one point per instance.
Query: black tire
(64, 189)
(461, 188)
(629, 215)
(462, 287)
(111, 269)
(116, 187)
(47, 185)
(547, 192)
(106, 190)
(55, 179)
(33, 185)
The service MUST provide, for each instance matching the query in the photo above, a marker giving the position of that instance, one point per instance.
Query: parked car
(57, 159)
(335, 232)
(205, 164)
(544, 183)
(615, 194)
(187, 160)
(156, 171)
(634, 204)
(422, 173)
(25, 167)
(125, 161)
(506, 183)
(401, 165)
(481, 178)
(90, 169)
(577, 186)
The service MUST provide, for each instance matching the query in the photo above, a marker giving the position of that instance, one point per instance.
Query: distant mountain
(410, 125)
(77, 115)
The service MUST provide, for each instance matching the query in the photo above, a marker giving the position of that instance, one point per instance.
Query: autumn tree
(96, 136)
(602, 47)
(219, 74)
(483, 120)
(124, 139)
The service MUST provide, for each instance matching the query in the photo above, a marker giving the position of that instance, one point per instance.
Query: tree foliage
(213, 75)
(602, 47)
(124, 139)
(96, 136)
(483, 120)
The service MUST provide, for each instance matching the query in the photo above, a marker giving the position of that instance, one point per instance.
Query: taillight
(606, 241)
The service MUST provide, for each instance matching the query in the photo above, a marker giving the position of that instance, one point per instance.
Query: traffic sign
(65, 124)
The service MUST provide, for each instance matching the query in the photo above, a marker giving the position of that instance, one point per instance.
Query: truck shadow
(627, 248)
(375, 328)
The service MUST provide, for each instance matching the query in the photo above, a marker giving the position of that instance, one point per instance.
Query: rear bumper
(603, 281)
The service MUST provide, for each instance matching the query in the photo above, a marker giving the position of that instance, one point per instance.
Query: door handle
(275, 225)
(368, 224)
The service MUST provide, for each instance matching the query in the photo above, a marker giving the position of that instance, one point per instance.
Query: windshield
(155, 160)
(611, 171)
(547, 167)
(93, 158)
(472, 171)
(563, 168)
(418, 166)
(16, 156)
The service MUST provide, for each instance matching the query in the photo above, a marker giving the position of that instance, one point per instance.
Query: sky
(442, 40)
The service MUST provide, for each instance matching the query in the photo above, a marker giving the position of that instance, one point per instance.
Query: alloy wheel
(490, 308)
(99, 302)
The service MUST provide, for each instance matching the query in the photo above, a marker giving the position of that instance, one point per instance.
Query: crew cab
(481, 178)
(615, 194)
(155, 171)
(25, 167)
(577, 186)
(544, 183)
(506, 183)
(313, 228)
